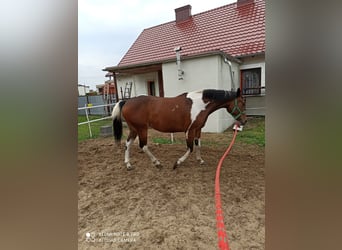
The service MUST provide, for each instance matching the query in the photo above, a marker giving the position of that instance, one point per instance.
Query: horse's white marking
(116, 110)
(197, 106)
(183, 158)
(198, 152)
(128, 145)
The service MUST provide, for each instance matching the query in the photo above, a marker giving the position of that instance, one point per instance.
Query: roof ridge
(226, 5)
(206, 11)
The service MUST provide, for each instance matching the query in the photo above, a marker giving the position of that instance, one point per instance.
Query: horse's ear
(238, 92)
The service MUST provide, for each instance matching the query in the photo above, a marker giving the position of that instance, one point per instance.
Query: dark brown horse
(187, 113)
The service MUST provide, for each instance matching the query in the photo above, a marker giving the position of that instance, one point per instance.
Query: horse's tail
(117, 121)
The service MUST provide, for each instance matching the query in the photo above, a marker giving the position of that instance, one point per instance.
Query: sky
(108, 28)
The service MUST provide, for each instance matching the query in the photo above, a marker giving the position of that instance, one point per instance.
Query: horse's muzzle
(242, 122)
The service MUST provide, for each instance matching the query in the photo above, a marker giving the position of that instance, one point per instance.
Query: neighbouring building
(82, 89)
(108, 87)
(222, 48)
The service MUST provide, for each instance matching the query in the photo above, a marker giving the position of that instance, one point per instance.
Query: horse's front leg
(198, 146)
(190, 144)
(198, 150)
(182, 159)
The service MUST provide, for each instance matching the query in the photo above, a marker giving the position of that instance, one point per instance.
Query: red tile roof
(236, 31)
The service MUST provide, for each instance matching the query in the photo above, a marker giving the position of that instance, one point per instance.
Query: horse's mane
(220, 95)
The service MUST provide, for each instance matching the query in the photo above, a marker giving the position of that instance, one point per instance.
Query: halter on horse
(187, 113)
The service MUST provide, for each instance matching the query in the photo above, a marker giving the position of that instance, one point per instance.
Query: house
(222, 48)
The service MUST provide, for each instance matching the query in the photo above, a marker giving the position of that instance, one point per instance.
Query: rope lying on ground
(221, 231)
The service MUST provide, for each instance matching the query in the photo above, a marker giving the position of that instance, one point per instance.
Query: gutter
(250, 55)
(173, 59)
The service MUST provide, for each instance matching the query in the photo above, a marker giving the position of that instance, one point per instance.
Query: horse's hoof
(129, 167)
(159, 166)
(175, 165)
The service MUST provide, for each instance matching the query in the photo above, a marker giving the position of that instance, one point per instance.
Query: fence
(97, 101)
(86, 111)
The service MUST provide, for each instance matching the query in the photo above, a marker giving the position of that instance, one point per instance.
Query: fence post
(87, 97)
(89, 127)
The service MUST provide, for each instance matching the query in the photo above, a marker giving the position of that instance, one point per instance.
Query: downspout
(231, 72)
(178, 62)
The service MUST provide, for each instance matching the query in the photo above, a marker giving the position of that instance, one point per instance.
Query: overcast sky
(108, 28)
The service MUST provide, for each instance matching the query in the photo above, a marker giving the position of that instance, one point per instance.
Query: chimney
(244, 2)
(183, 13)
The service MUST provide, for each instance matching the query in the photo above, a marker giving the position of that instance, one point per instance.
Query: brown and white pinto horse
(187, 113)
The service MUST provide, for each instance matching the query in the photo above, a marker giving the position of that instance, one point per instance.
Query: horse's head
(237, 108)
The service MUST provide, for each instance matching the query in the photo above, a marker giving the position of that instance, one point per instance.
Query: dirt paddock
(148, 208)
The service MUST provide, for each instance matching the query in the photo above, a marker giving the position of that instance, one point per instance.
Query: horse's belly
(168, 124)
(169, 128)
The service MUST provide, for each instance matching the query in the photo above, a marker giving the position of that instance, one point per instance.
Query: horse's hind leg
(143, 144)
(130, 139)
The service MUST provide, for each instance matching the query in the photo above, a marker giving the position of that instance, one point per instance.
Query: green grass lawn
(83, 130)
(162, 140)
(253, 132)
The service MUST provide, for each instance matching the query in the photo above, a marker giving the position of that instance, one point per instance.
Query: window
(251, 81)
(151, 88)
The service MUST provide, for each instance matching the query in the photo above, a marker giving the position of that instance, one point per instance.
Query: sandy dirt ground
(149, 208)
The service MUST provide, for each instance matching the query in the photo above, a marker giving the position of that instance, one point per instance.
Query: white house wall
(201, 73)
(139, 83)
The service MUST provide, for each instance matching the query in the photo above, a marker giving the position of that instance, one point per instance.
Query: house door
(151, 88)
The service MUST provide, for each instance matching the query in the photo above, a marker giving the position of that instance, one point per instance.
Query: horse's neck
(216, 105)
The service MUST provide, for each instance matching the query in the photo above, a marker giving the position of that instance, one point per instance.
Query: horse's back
(136, 105)
(170, 114)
